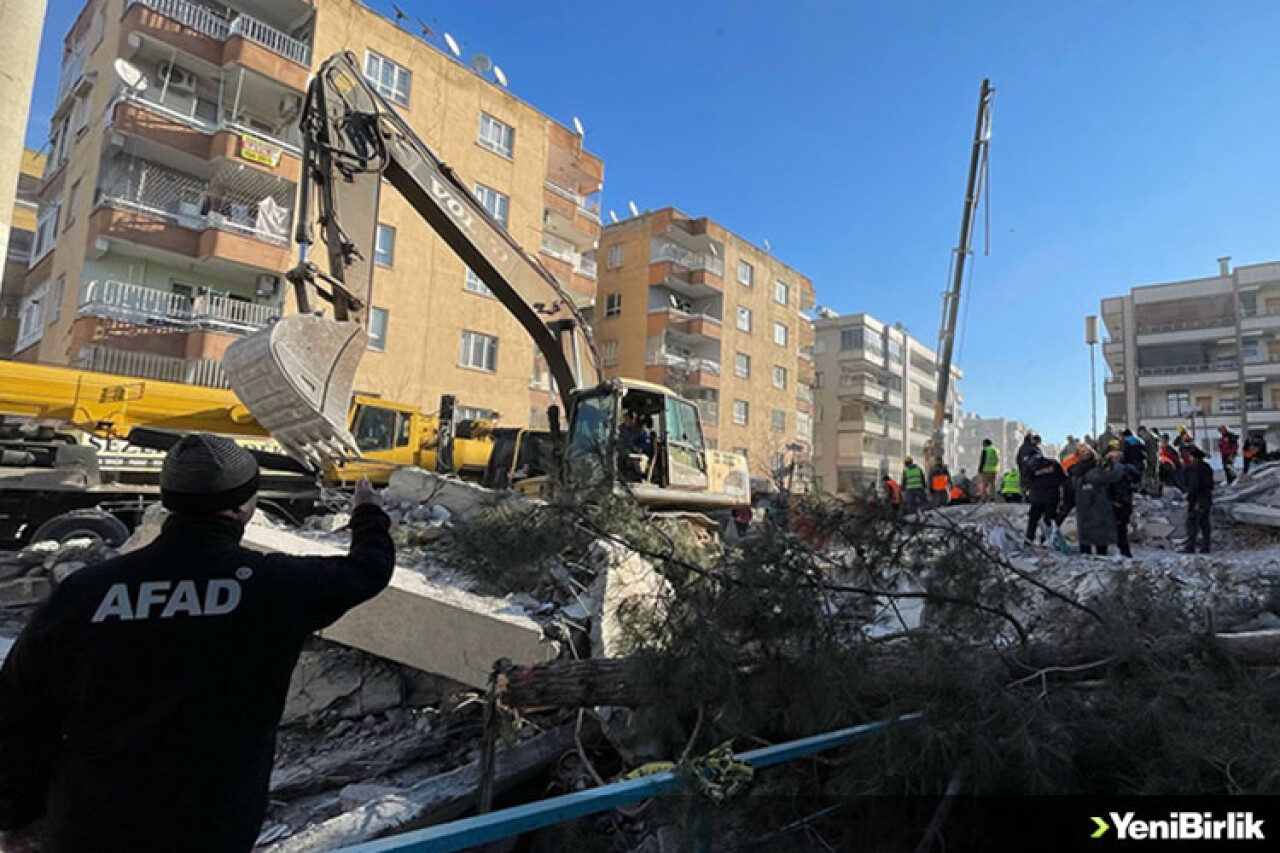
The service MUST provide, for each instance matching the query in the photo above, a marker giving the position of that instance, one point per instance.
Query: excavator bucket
(296, 377)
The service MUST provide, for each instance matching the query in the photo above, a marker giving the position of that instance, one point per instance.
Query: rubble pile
(28, 576)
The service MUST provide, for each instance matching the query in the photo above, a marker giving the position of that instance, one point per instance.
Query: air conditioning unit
(268, 286)
(290, 106)
(177, 78)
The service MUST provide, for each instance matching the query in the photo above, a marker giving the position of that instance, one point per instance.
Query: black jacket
(1199, 484)
(1095, 516)
(1047, 477)
(138, 709)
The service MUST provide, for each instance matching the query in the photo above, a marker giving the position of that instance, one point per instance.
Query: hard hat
(1182, 429)
(906, 460)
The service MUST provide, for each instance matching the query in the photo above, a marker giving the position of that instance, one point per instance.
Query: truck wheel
(81, 524)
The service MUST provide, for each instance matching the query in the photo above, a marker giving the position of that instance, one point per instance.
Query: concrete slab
(434, 628)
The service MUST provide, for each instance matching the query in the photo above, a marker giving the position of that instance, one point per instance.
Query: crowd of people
(1097, 479)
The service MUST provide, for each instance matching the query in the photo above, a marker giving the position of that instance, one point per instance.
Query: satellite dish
(481, 63)
(453, 45)
(499, 76)
(577, 125)
(132, 78)
(635, 211)
(767, 247)
(613, 217)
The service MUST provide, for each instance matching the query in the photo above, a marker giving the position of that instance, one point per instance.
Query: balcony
(681, 371)
(202, 32)
(708, 412)
(1184, 331)
(587, 206)
(144, 118)
(133, 303)
(1260, 319)
(570, 265)
(206, 372)
(691, 325)
(661, 251)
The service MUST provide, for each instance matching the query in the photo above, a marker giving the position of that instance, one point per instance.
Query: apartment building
(874, 392)
(1006, 435)
(22, 231)
(1197, 353)
(167, 207)
(688, 304)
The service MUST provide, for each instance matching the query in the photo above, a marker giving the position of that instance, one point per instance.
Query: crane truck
(296, 375)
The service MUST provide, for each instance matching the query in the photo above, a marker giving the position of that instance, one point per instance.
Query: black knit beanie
(205, 474)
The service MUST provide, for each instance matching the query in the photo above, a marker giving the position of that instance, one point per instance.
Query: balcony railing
(148, 100)
(708, 412)
(147, 365)
(1222, 407)
(1188, 325)
(1260, 312)
(134, 303)
(204, 20)
(589, 207)
(671, 253)
(585, 267)
(680, 362)
(1184, 369)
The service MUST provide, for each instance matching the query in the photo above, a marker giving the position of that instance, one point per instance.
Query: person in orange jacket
(892, 493)
(939, 483)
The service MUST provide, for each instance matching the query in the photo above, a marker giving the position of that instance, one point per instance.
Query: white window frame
(616, 255)
(781, 293)
(742, 365)
(496, 135)
(612, 304)
(398, 88)
(380, 250)
(478, 351)
(778, 420)
(473, 413)
(46, 232)
(496, 202)
(804, 427)
(779, 371)
(784, 336)
(73, 198)
(748, 280)
(741, 412)
(609, 353)
(31, 318)
(53, 304)
(474, 284)
(744, 318)
(378, 337)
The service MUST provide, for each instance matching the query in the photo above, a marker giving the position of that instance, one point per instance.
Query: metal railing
(134, 303)
(206, 372)
(148, 101)
(585, 267)
(671, 253)
(590, 207)
(1185, 369)
(208, 22)
(560, 249)
(1188, 325)
(708, 412)
(1260, 312)
(706, 365)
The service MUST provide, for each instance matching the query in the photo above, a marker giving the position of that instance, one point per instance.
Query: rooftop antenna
(452, 45)
(577, 125)
(426, 31)
(635, 211)
(135, 82)
(500, 76)
(613, 217)
(767, 246)
(481, 64)
(400, 15)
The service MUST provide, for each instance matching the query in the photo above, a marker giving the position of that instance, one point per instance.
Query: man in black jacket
(1199, 501)
(1044, 489)
(139, 707)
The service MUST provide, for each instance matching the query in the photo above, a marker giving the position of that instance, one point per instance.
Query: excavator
(297, 375)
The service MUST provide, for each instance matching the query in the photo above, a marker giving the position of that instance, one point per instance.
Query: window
(496, 203)
(499, 137)
(612, 304)
(73, 195)
(384, 245)
(479, 351)
(541, 377)
(744, 319)
(31, 318)
(741, 412)
(55, 299)
(391, 80)
(615, 255)
(473, 284)
(779, 377)
(780, 334)
(850, 339)
(804, 428)
(742, 365)
(781, 292)
(609, 352)
(1178, 402)
(80, 114)
(895, 350)
(746, 273)
(778, 420)
(817, 379)
(375, 428)
(378, 329)
(473, 413)
(46, 232)
(819, 346)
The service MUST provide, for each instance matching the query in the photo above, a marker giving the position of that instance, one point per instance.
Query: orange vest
(895, 492)
(1069, 461)
(939, 483)
(957, 494)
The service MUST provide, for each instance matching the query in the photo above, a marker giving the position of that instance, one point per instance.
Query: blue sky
(1133, 142)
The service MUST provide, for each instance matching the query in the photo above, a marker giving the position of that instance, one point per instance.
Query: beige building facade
(22, 231)
(874, 393)
(686, 303)
(166, 211)
(1177, 353)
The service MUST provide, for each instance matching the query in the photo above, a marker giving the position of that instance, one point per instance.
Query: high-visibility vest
(940, 482)
(1069, 461)
(1012, 484)
(912, 477)
(990, 460)
(895, 492)
(957, 494)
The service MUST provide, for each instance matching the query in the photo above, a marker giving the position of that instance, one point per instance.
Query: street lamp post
(1091, 338)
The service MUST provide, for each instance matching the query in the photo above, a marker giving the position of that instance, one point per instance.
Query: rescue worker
(1250, 452)
(988, 468)
(1133, 450)
(1068, 449)
(138, 709)
(1026, 450)
(1171, 464)
(1228, 447)
(1011, 487)
(1120, 493)
(1103, 444)
(1095, 516)
(1044, 491)
(1199, 502)
(939, 483)
(892, 494)
(963, 483)
(1151, 472)
(914, 486)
